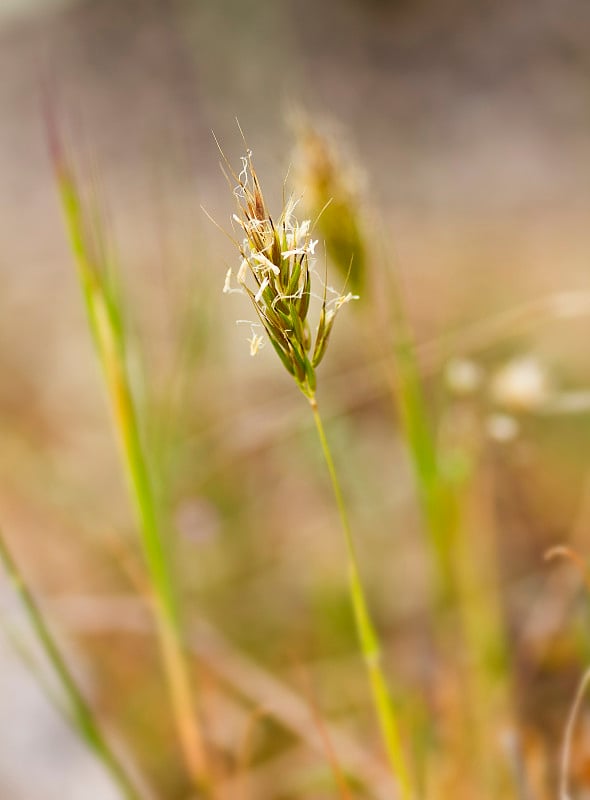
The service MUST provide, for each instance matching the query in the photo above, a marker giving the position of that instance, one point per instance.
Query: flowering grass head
(277, 273)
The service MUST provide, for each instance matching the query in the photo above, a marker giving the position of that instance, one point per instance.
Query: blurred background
(465, 128)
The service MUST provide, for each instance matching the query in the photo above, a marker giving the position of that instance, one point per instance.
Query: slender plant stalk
(105, 319)
(275, 272)
(434, 493)
(367, 635)
(165, 599)
(81, 712)
(486, 688)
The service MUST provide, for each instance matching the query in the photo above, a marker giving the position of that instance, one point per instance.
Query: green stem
(82, 713)
(435, 499)
(367, 635)
(105, 318)
(167, 613)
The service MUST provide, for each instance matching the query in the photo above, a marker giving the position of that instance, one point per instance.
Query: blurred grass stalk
(463, 590)
(105, 316)
(464, 565)
(80, 712)
(439, 509)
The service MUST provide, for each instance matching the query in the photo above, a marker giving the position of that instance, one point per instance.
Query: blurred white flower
(463, 376)
(521, 385)
(502, 427)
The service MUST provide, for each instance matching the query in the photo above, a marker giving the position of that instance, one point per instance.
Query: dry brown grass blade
(566, 753)
(321, 726)
(568, 553)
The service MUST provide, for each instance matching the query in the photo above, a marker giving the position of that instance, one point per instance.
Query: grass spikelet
(276, 272)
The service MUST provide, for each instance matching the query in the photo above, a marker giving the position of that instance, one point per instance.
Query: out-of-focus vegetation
(440, 153)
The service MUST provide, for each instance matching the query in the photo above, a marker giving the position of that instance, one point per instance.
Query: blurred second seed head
(331, 187)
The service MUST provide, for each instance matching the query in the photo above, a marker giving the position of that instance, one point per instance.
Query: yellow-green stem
(435, 498)
(82, 713)
(165, 600)
(481, 631)
(105, 322)
(367, 635)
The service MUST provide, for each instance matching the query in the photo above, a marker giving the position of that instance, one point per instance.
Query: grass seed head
(332, 191)
(277, 273)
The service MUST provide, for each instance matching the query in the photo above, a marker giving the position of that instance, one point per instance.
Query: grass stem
(82, 713)
(367, 635)
(164, 596)
(105, 316)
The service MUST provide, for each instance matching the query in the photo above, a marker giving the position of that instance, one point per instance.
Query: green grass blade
(81, 712)
(105, 318)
